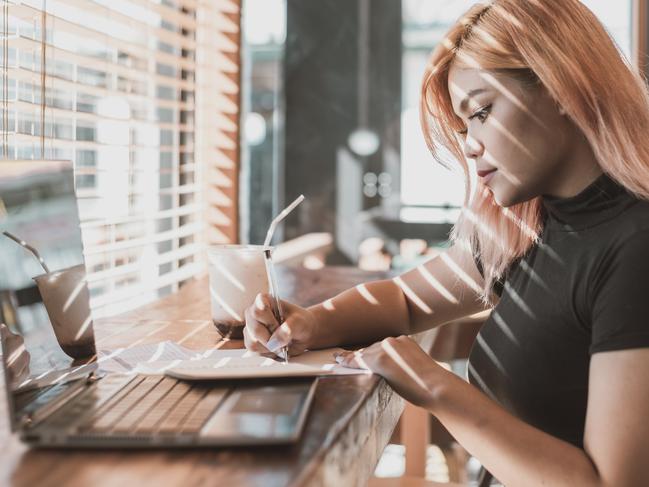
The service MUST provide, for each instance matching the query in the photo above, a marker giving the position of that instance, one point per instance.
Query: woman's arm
(616, 440)
(444, 288)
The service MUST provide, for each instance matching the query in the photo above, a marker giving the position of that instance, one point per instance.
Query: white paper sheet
(129, 359)
(172, 359)
(239, 364)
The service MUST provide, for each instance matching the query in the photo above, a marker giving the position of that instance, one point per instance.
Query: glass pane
(264, 31)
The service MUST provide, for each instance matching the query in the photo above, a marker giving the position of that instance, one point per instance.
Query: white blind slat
(138, 267)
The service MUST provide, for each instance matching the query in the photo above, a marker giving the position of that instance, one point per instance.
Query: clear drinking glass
(67, 302)
(237, 275)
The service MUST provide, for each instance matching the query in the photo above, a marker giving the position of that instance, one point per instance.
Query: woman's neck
(580, 170)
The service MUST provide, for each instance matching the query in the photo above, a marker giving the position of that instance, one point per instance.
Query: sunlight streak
(208, 353)
(491, 79)
(73, 295)
(503, 13)
(483, 385)
(152, 332)
(222, 362)
(438, 286)
(159, 370)
(500, 322)
(494, 162)
(468, 60)
(490, 353)
(460, 273)
(268, 362)
(512, 138)
(475, 219)
(194, 332)
(228, 275)
(520, 224)
(84, 326)
(462, 94)
(60, 378)
(158, 352)
(516, 298)
(362, 289)
(228, 309)
(15, 355)
(413, 296)
(394, 355)
(448, 44)
(287, 331)
(551, 253)
(534, 276)
(358, 356)
(111, 355)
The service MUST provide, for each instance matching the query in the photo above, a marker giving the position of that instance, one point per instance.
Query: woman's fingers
(262, 310)
(352, 359)
(280, 338)
(260, 320)
(252, 343)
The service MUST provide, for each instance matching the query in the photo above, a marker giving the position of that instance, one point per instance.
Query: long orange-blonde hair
(562, 45)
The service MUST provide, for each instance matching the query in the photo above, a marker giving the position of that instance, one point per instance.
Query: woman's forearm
(363, 314)
(513, 451)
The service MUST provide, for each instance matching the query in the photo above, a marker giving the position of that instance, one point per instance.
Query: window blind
(142, 95)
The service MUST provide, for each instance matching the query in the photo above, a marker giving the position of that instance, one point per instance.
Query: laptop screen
(47, 312)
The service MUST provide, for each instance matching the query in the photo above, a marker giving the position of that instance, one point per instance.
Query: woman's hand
(411, 372)
(263, 334)
(18, 357)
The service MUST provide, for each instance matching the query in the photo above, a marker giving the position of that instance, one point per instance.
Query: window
(122, 80)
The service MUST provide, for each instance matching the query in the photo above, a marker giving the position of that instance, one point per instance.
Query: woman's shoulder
(633, 223)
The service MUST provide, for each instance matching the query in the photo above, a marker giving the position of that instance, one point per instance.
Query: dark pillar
(321, 75)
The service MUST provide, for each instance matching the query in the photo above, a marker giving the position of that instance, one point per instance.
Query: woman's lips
(482, 173)
(485, 174)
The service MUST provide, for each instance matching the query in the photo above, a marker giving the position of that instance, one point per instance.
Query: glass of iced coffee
(67, 302)
(237, 275)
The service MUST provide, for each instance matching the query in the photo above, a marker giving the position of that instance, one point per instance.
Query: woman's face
(515, 133)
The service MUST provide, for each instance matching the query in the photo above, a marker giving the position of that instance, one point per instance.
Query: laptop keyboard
(116, 405)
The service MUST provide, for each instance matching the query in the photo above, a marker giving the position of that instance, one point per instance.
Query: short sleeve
(620, 300)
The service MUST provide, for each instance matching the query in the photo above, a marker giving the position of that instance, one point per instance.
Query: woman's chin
(503, 198)
(507, 199)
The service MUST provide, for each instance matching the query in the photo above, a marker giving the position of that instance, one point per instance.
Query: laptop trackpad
(268, 414)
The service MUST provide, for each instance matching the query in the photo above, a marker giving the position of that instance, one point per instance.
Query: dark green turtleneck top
(584, 289)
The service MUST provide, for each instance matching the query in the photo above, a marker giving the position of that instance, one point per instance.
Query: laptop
(60, 402)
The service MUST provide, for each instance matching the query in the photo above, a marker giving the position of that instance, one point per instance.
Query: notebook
(242, 364)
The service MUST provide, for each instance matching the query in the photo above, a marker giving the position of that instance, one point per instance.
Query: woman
(554, 236)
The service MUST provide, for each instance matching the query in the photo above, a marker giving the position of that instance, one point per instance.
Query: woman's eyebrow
(465, 102)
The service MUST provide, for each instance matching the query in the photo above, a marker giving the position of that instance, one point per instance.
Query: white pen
(272, 283)
(276, 303)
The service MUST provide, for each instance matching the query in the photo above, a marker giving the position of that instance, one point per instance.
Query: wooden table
(349, 425)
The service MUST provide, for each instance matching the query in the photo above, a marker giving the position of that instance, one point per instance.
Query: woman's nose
(472, 148)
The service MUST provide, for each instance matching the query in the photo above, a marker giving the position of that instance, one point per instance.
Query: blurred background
(330, 109)
(192, 122)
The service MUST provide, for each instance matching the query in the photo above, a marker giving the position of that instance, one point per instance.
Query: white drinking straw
(272, 282)
(280, 217)
(24, 244)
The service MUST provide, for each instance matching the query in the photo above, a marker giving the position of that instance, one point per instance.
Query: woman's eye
(481, 114)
